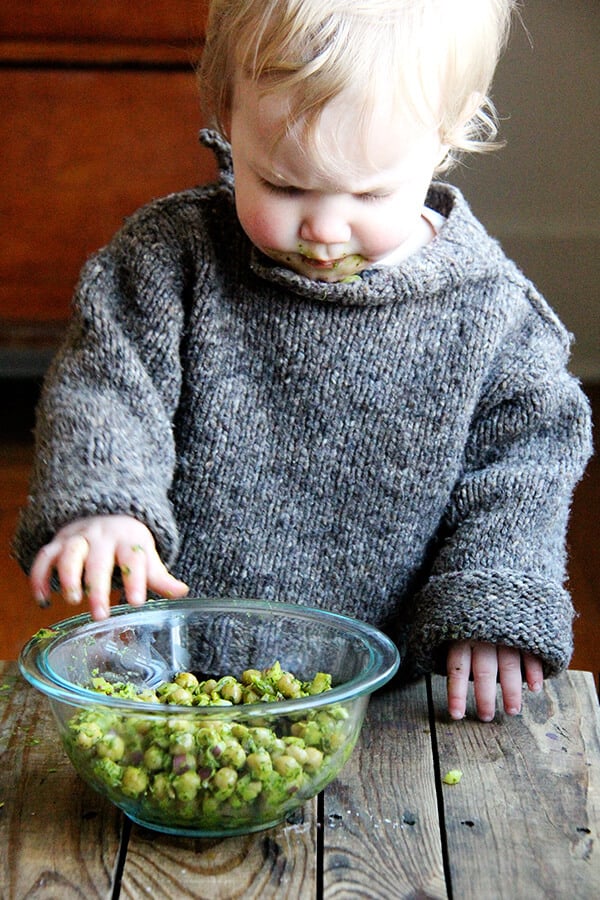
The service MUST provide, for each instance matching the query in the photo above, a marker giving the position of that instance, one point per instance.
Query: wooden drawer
(86, 149)
(99, 113)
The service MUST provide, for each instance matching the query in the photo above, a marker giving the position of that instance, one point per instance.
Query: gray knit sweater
(402, 449)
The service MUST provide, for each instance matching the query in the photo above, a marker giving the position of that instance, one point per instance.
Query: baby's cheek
(266, 229)
(383, 237)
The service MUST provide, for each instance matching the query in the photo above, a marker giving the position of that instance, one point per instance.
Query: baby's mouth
(338, 269)
(323, 263)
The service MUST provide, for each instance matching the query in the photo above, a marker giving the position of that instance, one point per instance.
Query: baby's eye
(373, 196)
(286, 190)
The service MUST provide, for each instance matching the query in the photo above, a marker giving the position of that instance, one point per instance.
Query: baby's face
(329, 219)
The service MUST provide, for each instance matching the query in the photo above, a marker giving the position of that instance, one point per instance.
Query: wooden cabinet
(100, 112)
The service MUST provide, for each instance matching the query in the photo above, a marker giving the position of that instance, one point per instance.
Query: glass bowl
(209, 770)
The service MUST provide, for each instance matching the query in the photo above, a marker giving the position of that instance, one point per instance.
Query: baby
(319, 380)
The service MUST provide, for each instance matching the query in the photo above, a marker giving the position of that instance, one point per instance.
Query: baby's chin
(331, 271)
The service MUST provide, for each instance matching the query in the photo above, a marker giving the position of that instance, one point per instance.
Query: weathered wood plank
(531, 784)
(58, 838)
(277, 863)
(381, 827)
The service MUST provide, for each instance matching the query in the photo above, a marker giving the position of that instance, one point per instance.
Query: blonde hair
(437, 56)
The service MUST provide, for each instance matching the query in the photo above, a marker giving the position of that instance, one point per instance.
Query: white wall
(540, 194)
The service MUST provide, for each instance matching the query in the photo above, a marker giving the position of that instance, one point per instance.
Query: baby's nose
(325, 227)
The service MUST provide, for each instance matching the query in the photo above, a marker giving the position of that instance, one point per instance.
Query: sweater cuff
(499, 607)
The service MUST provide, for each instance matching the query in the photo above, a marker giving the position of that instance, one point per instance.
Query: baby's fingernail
(72, 596)
(101, 613)
(513, 711)
(43, 602)
(536, 687)
(137, 599)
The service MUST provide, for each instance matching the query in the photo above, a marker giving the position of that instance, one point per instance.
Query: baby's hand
(84, 554)
(486, 662)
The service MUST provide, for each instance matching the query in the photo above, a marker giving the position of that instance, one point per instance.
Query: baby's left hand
(486, 662)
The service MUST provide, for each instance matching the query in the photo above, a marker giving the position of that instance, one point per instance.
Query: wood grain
(279, 863)
(92, 147)
(106, 54)
(97, 20)
(381, 827)
(73, 850)
(522, 822)
(531, 784)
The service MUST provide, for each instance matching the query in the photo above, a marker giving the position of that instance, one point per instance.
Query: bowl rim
(33, 660)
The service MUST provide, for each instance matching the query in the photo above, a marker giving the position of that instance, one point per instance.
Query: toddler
(319, 380)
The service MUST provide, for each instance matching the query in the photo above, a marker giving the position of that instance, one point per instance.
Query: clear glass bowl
(208, 771)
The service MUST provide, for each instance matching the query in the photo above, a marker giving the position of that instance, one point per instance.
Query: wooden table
(523, 822)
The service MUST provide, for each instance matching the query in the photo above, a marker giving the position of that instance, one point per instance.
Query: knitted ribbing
(402, 449)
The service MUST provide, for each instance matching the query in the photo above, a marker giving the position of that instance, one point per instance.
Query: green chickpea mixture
(225, 774)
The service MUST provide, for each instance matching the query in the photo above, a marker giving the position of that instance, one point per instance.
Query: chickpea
(240, 732)
(286, 765)
(250, 676)
(186, 680)
(135, 781)
(234, 755)
(314, 759)
(262, 737)
(186, 785)
(312, 734)
(276, 746)
(250, 695)
(181, 696)
(289, 686)
(89, 734)
(181, 743)
(320, 683)
(147, 696)
(154, 758)
(298, 753)
(247, 789)
(112, 746)
(232, 691)
(177, 723)
(162, 788)
(259, 764)
(224, 781)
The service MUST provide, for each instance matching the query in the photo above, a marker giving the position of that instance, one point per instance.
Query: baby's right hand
(84, 554)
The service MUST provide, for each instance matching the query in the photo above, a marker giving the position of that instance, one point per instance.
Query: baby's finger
(98, 578)
(132, 560)
(161, 581)
(69, 566)
(485, 674)
(41, 572)
(534, 672)
(511, 679)
(458, 670)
